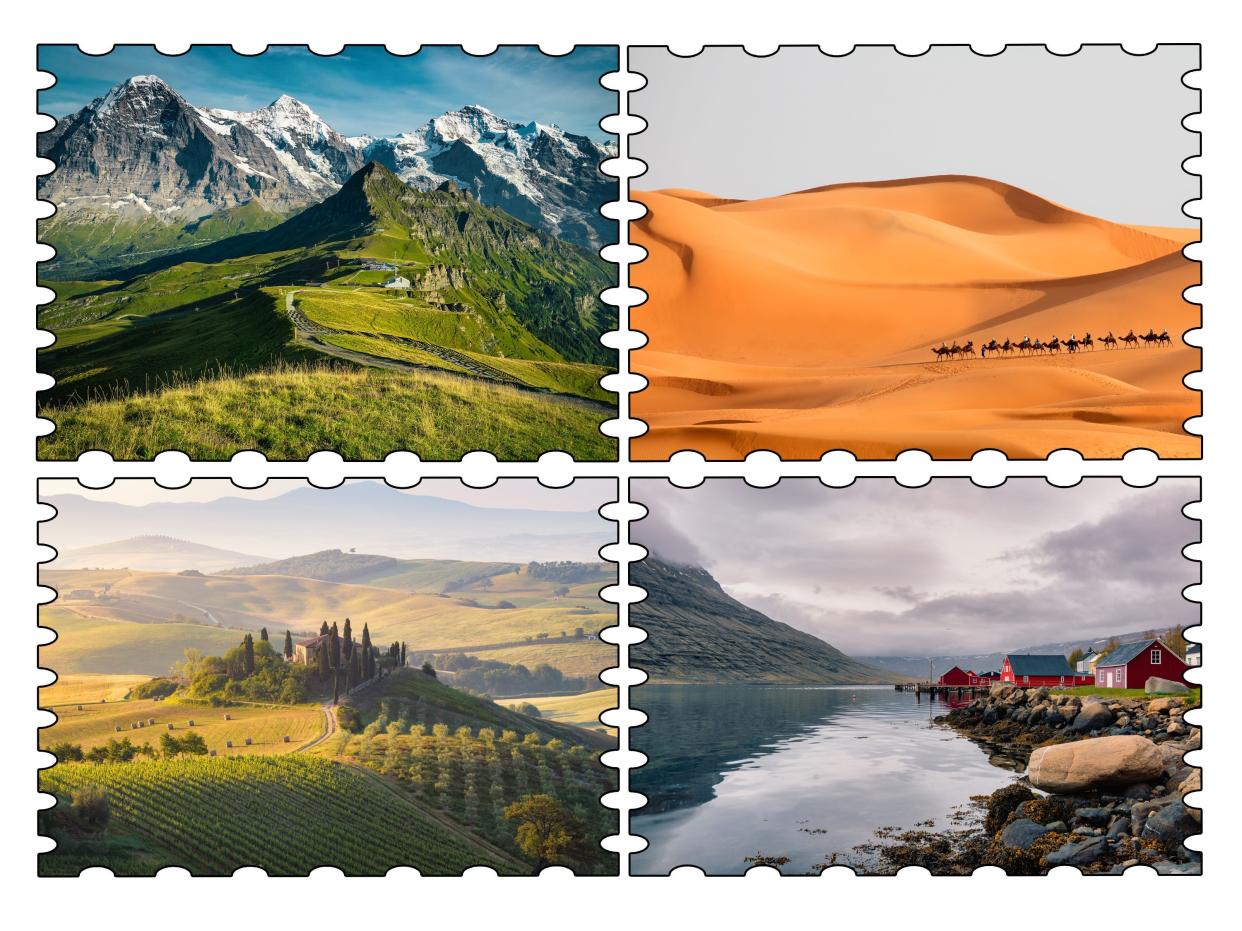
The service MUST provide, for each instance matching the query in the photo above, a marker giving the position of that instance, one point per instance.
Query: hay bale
(229, 744)
(191, 722)
(170, 725)
(286, 738)
(119, 728)
(228, 717)
(79, 707)
(211, 752)
(249, 741)
(150, 720)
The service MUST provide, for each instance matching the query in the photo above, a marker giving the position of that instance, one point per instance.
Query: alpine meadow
(229, 280)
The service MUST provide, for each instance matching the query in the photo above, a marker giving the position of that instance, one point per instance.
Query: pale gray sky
(879, 569)
(584, 494)
(1099, 131)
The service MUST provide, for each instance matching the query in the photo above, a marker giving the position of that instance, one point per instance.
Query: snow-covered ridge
(287, 154)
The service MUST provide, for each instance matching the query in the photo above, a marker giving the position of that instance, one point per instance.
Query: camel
(1087, 342)
(1025, 346)
(1130, 340)
(993, 346)
(942, 352)
(1072, 344)
(1163, 339)
(1038, 347)
(1054, 345)
(1150, 337)
(1006, 347)
(969, 348)
(1109, 341)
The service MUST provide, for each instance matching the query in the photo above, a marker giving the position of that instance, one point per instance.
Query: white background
(557, 899)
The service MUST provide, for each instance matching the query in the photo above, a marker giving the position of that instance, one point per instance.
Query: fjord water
(800, 772)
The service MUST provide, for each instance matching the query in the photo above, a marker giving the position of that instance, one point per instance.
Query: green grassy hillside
(88, 644)
(287, 815)
(290, 413)
(192, 350)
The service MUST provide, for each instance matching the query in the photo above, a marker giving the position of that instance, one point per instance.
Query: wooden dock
(943, 691)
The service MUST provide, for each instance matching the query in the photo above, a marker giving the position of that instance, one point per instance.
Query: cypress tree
(347, 641)
(355, 669)
(262, 633)
(248, 646)
(334, 647)
(402, 654)
(288, 645)
(323, 629)
(322, 658)
(366, 640)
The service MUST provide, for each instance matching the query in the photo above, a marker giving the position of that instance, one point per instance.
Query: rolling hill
(824, 306)
(128, 622)
(697, 633)
(153, 552)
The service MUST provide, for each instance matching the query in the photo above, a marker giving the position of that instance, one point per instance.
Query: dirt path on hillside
(474, 370)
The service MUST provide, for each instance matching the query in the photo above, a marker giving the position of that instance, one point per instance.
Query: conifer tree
(334, 647)
(288, 645)
(366, 638)
(402, 654)
(347, 641)
(323, 629)
(263, 633)
(324, 661)
(355, 669)
(248, 647)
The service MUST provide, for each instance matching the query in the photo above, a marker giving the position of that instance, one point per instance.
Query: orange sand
(804, 323)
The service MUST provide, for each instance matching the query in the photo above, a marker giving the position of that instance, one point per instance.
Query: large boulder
(1094, 716)
(1157, 686)
(1097, 762)
(1158, 705)
(1192, 783)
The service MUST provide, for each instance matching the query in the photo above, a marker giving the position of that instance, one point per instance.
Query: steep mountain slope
(697, 633)
(141, 171)
(540, 174)
(466, 254)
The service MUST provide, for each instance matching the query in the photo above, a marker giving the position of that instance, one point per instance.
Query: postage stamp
(361, 252)
(949, 252)
(363, 677)
(948, 676)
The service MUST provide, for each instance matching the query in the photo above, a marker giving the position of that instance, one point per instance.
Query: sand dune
(804, 323)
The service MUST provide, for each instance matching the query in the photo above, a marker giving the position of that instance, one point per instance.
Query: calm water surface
(738, 770)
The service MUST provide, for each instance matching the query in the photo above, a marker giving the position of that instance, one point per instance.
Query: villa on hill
(399, 282)
(304, 650)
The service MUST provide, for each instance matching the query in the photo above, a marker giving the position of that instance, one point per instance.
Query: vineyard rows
(284, 814)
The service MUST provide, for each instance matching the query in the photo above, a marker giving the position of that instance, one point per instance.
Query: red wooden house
(957, 676)
(1130, 665)
(1036, 669)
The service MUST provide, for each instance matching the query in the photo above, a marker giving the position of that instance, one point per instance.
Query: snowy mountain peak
(137, 89)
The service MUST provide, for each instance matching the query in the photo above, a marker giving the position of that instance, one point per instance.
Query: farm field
(70, 689)
(287, 815)
(265, 725)
(581, 710)
(86, 643)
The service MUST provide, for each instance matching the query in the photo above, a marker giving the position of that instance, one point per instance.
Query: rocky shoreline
(1115, 775)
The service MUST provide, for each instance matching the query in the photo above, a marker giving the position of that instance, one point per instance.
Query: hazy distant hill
(985, 662)
(697, 633)
(363, 515)
(152, 552)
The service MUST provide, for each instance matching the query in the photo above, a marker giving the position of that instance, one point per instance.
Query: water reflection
(798, 772)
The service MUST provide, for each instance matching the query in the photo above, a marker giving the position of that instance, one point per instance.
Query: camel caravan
(1037, 347)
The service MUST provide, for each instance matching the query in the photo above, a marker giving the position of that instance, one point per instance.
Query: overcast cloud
(879, 569)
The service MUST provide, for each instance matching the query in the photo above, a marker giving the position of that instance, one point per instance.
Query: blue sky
(361, 90)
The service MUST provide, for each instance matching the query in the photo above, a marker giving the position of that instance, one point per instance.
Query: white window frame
(1156, 654)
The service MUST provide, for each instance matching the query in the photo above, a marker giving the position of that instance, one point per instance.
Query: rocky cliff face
(142, 153)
